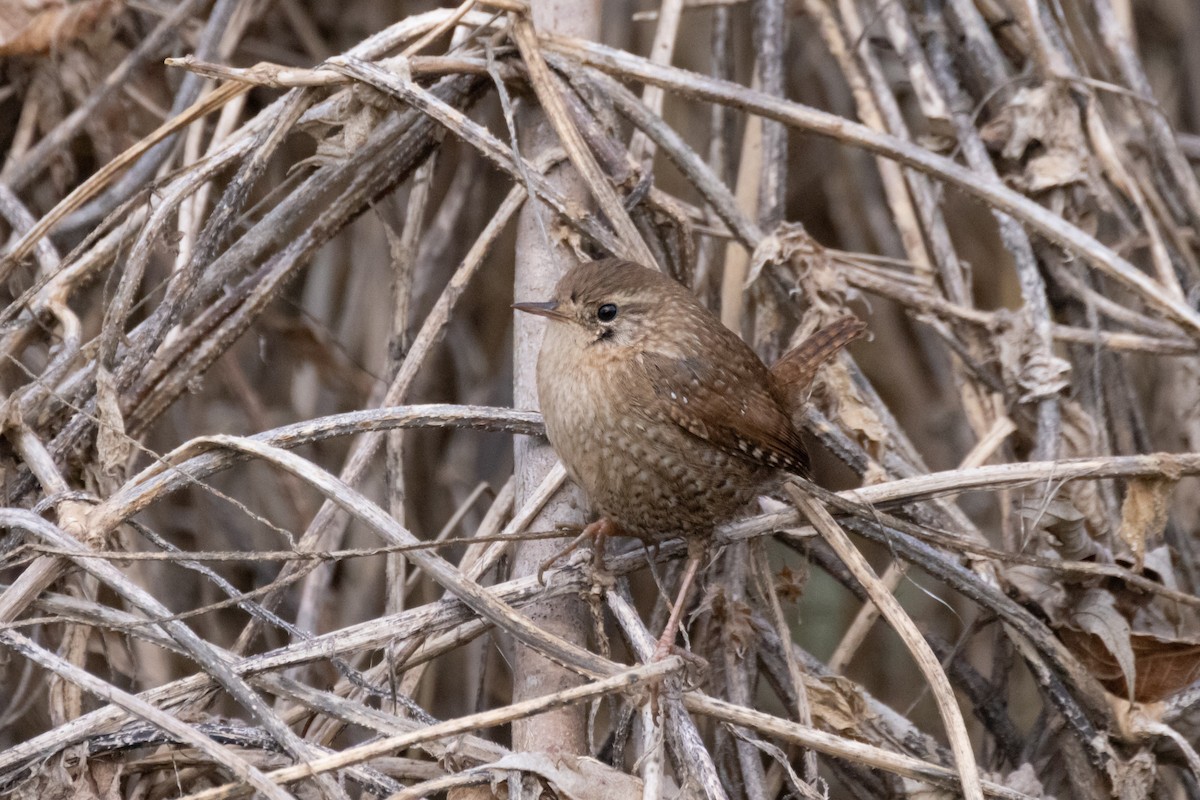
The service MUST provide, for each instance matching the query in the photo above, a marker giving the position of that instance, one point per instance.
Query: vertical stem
(720, 143)
(403, 247)
(670, 12)
(770, 37)
(541, 260)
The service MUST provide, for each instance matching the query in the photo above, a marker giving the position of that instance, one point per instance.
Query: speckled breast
(657, 480)
(644, 472)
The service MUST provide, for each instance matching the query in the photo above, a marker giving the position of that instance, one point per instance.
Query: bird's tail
(795, 370)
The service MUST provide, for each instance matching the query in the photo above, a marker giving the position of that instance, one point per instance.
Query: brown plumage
(665, 417)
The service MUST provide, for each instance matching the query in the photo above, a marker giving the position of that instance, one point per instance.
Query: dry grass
(258, 452)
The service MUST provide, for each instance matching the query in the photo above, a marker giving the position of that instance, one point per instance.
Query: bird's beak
(546, 309)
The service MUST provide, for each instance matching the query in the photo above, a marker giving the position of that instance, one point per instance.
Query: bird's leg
(599, 530)
(667, 641)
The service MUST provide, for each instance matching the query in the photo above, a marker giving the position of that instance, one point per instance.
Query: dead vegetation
(264, 468)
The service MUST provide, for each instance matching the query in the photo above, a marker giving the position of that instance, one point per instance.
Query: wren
(669, 422)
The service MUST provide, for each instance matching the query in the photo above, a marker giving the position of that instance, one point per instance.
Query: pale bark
(540, 260)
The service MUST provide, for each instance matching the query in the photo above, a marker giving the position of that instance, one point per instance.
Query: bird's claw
(598, 531)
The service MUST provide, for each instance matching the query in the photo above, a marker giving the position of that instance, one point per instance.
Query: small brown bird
(665, 417)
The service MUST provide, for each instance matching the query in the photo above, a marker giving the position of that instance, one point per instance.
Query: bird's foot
(598, 532)
(695, 668)
(667, 647)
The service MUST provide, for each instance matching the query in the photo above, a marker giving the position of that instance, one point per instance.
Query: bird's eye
(606, 312)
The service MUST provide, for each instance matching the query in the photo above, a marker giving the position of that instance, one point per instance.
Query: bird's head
(610, 303)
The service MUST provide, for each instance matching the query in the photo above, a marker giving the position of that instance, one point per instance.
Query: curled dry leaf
(1023, 779)
(1139, 722)
(1164, 666)
(345, 127)
(1144, 514)
(1038, 586)
(834, 391)
(112, 443)
(789, 583)
(36, 27)
(1080, 439)
(1139, 645)
(1025, 361)
(836, 703)
(571, 777)
(1041, 130)
(920, 790)
(1061, 527)
(823, 284)
(1134, 777)
(1174, 420)
(99, 779)
(1055, 529)
(1094, 616)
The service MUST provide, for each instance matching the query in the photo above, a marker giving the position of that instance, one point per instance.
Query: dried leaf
(823, 283)
(1023, 779)
(921, 790)
(1025, 360)
(30, 27)
(1163, 666)
(574, 777)
(1133, 778)
(1159, 564)
(790, 583)
(95, 779)
(1063, 527)
(1041, 587)
(1053, 169)
(1042, 130)
(835, 389)
(1096, 613)
(112, 444)
(1080, 438)
(837, 705)
(104, 779)
(1144, 514)
(345, 128)
(1140, 645)
(472, 793)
